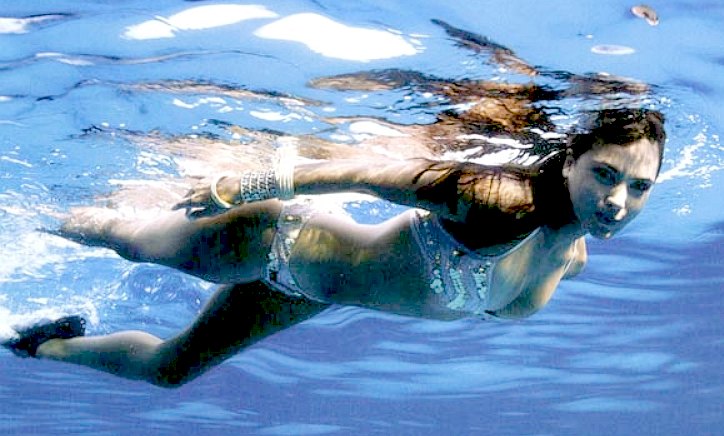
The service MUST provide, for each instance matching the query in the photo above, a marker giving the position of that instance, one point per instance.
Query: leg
(235, 317)
(226, 248)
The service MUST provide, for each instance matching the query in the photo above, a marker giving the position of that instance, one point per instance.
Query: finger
(184, 204)
(197, 213)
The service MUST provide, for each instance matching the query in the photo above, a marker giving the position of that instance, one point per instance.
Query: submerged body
(477, 241)
(413, 266)
(389, 266)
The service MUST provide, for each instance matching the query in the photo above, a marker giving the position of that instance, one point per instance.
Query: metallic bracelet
(257, 186)
(284, 170)
(215, 194)
(276, 183)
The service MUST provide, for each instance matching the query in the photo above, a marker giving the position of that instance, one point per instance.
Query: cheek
(589, 196)
(635, 205)
(585, 202)
(586, 193)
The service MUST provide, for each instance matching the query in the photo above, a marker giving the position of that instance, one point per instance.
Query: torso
(385, 268)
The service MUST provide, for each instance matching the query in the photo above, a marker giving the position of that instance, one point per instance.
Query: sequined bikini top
(459, 276)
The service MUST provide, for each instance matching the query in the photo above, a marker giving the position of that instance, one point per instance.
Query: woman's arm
(437, 186)
(448, 188)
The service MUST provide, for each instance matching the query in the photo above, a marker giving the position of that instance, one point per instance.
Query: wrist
(251, 186)
(221, 193)
(228, 189)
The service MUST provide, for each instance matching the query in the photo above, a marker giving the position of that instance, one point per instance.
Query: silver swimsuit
(277, 273)
(294, 216)
(458, 276)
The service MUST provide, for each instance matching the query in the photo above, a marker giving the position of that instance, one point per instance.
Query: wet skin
(610, 184)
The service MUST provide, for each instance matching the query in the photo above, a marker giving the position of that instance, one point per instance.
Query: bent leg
(228, 248)
(235, 317)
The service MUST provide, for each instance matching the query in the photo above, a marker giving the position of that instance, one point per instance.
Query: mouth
(606, 221)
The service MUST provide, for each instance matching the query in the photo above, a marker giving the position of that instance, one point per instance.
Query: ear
(568, 165)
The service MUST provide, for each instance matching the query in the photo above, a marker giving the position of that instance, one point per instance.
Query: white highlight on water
(275, 116)
(17, 26)
(612, 49)
(332, 39)
(196, 18)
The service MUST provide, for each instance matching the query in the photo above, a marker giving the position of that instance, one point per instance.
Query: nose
(616, 201)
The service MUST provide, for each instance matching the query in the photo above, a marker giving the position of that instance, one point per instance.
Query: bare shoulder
(576, 258)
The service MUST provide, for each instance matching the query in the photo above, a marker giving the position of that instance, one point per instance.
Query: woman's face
(610, 184)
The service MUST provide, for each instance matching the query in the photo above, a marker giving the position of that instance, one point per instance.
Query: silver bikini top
(458, 275)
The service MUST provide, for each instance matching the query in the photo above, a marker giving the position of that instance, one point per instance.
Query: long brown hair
(619, 127)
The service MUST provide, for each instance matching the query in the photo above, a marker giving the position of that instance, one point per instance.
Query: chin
(602, 233)
(604, 236)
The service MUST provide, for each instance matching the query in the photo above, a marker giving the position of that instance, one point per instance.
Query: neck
(562, 237)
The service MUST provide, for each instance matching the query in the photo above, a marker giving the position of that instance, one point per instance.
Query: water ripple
(10, 25)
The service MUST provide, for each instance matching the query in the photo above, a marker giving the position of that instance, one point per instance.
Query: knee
(170, 370)
(167, 376)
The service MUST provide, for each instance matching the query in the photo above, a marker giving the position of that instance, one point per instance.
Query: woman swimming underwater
(478, 240)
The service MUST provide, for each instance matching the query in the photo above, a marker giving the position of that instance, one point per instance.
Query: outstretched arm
(448, 188)
(441, 187)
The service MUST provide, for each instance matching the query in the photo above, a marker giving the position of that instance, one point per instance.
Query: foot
(28, 340)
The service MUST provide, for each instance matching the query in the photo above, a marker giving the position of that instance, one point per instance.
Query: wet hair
(619, 127)
(551, 199)
(597, 128)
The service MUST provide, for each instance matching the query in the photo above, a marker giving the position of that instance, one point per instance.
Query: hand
(198, 201)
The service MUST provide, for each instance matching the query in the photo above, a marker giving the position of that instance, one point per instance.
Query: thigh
(227, 248)
(235, 317)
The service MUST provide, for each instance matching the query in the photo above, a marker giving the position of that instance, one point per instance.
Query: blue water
(632, 346)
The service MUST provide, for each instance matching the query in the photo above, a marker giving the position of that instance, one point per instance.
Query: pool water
(631, 346)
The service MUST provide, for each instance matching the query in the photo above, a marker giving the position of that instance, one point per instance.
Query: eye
(640, 186)
(605, 175)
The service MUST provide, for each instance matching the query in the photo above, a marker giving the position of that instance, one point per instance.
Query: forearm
(403, 182)
(448, 188)
(455, 190)
(433, 185)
